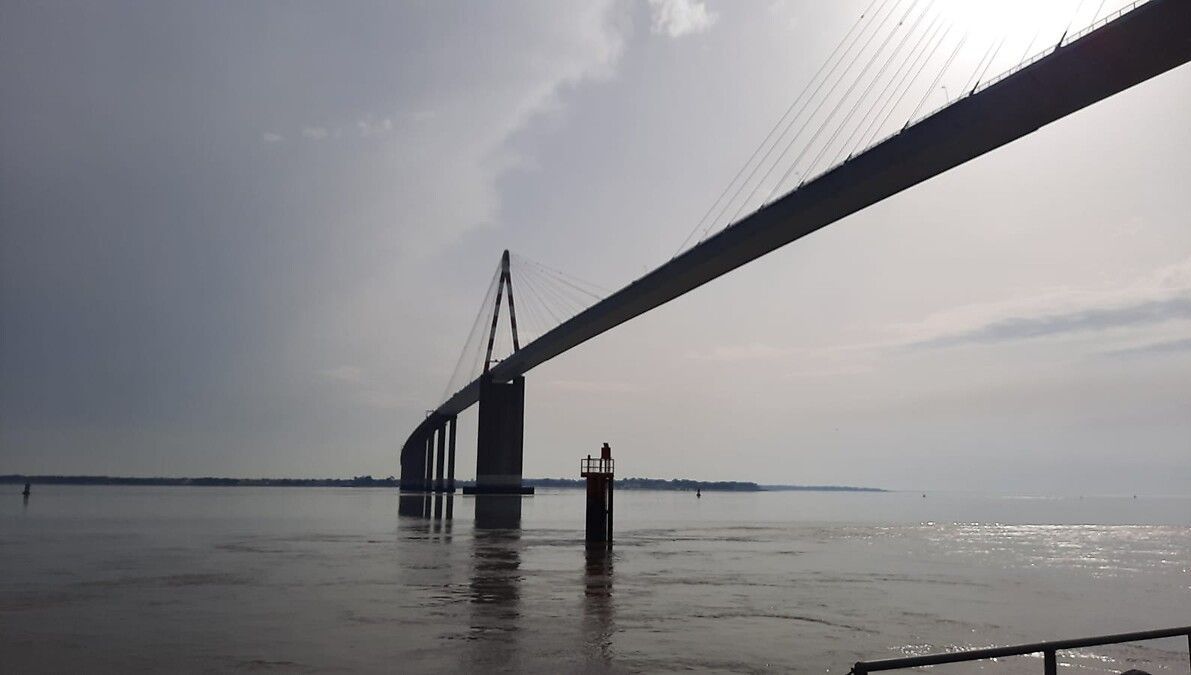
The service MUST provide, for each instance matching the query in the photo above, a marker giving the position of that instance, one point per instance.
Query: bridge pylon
(506, 281)
(428, 457)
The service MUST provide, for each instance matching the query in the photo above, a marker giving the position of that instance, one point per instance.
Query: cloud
(364, 127)
(358, 388)
(1135, 315)
(315, 133)
(786, 11)
(380, 399)
(1178, 346)
(1160, 297)
(593, 386)
(752, 351)
(372, 127)
(1084, 320)
(791, 362)
(344, 374)
(271, 137)
(681, 17)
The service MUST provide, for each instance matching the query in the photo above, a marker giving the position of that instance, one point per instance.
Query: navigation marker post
(599, 473)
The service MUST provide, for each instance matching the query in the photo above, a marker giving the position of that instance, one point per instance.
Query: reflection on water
(438, 506)
(414, 505)
(427, 513)
(496, 599)
(599, 611)
(498, 512)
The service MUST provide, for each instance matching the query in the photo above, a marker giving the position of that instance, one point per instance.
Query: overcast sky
(249, 239)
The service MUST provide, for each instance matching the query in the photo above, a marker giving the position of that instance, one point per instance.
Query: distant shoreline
(392, 482)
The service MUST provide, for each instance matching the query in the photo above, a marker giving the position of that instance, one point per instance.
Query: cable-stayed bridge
(881, 66)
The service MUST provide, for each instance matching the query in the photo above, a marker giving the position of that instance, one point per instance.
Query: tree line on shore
(679, 484)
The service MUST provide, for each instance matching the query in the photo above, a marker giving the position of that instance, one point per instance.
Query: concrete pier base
(501, 433)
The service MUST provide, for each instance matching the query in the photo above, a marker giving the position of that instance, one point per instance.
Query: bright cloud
(373, 127)
(681, 17)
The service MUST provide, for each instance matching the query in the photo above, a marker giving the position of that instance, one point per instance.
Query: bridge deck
(1144, 43)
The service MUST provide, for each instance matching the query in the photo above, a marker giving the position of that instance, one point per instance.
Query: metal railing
(1111, 16)
(595, 465)
(1066, 39)
(981, 85)
(1048, 650)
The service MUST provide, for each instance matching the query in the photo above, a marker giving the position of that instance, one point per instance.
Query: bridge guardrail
(981, 86)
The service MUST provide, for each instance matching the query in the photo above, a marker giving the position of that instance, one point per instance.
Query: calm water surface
(119, 579)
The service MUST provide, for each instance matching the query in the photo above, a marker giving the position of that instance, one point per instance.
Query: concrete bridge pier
(440, 483)
(413, 465)
(499, 446)
(428, 465)
(451, 455)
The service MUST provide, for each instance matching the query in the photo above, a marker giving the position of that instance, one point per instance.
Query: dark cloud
(205, 207)
(1081, 321)
(1166, 347)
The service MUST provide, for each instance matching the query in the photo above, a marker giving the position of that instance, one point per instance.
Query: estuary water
(176, 579)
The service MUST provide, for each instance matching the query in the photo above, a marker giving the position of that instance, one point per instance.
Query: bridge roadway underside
(1146, 42)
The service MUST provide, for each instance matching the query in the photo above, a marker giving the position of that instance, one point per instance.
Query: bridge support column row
(425, 464)
(444, 465)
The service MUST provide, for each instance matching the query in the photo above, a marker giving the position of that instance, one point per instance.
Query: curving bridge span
(1148, 40)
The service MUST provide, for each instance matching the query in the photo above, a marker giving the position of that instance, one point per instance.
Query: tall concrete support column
(428, 476)
(440, 462)
(501, 433)
(451, 455)
(413, 465)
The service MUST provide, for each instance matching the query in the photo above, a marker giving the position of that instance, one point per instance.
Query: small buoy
(698, 493)
(924, 495)
(26, 492)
